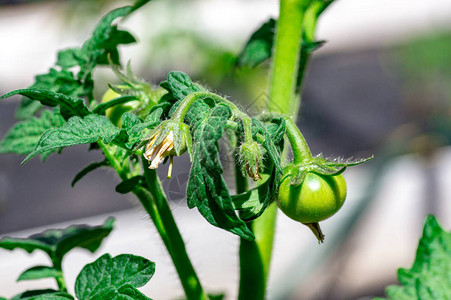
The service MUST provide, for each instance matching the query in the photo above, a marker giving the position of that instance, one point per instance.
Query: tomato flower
(169, 139)
(155, 154)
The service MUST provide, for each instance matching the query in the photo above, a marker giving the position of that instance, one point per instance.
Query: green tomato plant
(138, 126)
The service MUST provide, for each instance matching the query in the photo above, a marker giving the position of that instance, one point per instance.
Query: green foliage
(136, 130)
(46, 294)
(88, 169)
(76, 131)
(69, 106)
(39, 272)
(23, 136)
(57, 242)
(131, 184)
(103, 43)
(95, 51)
(259, 46)
(114, 278)
(102, 107)
(252, 203)
(429, 277)
(57, 81)
(180, 85)
(207, 189)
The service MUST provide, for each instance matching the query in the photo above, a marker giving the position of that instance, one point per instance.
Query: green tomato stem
(299, 146)
(301, 151)
(252, 283)
(155, 203)
(158, 208)
(284, 72)
(286, 56)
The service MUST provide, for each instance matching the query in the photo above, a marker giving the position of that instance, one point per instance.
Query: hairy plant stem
(154, 201)
(300, 148)
(284, 74)
(252, 283)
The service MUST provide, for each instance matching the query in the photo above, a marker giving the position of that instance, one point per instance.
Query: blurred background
(380, 85)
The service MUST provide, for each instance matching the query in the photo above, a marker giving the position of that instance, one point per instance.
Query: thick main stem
(282, 99)
(155, 203)
(286, 52)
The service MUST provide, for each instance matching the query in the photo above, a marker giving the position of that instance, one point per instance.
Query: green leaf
(29, 244)
(429, 277)
(180, 85)
(253, 203)
(114, 278)
(57, 242)
(69, 106)
(23, 137)
(102, 44)
(69, 58)
(39, 272)
(88, 169)
(136, 129)
(129, 185)
(102, 107)
(105, 40)
(57, 81)
(259, 46)
(47, 294)
(75, 132)
(207, 189)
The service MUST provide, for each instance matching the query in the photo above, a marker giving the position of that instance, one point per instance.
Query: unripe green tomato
(317, 198)
(115, 113)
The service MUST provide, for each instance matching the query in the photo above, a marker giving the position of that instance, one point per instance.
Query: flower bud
(251, 157)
